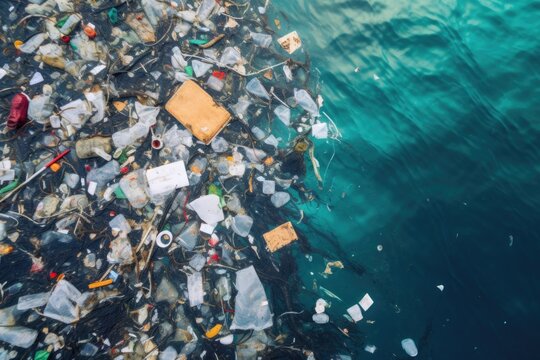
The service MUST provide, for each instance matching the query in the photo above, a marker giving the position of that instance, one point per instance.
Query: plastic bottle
(33, 43)
(18, 114)
(86, 148)
(409, 346)
(67, 25)
(133, 185)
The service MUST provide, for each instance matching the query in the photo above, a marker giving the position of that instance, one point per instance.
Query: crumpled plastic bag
(252, 311)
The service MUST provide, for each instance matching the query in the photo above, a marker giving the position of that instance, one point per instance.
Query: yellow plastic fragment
(214, 331)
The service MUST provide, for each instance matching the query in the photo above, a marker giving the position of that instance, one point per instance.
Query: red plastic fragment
(218, 74)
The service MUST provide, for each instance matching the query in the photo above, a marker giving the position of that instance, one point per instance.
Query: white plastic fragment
(321, 318)
(207, 228)
(284, 114)
(200, 68)
(355, 313)
(409, 346)
(195, 289)
(36, 79)
(303, 99)
(92, 186)
(97, 69)
(440, 287)
(31, 301)
(241, 225)
(366, 302)
(320, 306)
(320, 130)
(166, 178)
(208, 209)
(370, 348)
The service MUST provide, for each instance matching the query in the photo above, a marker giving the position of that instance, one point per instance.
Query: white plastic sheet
(252, 310)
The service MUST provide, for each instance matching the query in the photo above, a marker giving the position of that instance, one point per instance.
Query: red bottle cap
(65, 39)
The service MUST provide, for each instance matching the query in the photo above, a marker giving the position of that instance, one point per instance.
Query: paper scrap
(290, 42)
(366, 302)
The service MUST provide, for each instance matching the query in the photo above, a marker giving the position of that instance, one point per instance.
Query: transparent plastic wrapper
(166, 291)
(133, 186)
(147, 117)
(10, 315)
(303, 99)
(258, 133)
(231, 56)
(242, 224)
(215, 84)
(268, 187)
(18, 336)
(46, 8)
(224, 288)
(284, 114)
(208, 209)
(89, 350)
(52, 55)
(168, 354)
(195, 289)
(197, 262)
(31, 301)
(200, 68)
(76, 113)
(63, 304)
(40, 108)
(32, 44)
(322, 318)
(255, 87)
(97, 101)
(410, 347)
(188, 238)
(252, 311)
(120, 252)
(241, 107)
(120, 223)
(205, 9)
(280, 198)
(320, 131)
(154, 10)
(220, 145)
(260, 39)
(104, 174)
(177, 59)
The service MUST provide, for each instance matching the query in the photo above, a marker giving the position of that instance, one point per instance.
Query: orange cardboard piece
(279, 237)
(197, 111)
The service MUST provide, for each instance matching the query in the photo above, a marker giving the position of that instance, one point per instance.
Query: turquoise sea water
(439, 163)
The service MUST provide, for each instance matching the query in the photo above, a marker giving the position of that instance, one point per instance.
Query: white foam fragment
(92, 186)
(440, 287)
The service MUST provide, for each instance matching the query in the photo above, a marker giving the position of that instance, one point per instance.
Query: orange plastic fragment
(55, 167)
(99, 284)
(213, 331)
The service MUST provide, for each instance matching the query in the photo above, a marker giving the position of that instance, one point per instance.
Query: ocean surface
(438, 103)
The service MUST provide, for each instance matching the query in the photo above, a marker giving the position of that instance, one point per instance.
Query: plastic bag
(303, 99)
(262, 40)
(18, 336)
(63, 304)
(252, 310)
(284, 114)
(255, 87)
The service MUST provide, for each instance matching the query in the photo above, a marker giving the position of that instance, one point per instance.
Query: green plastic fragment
(113, 15)
(198, 41)
(62, 21)
(189, 70)
(12, 185)
(119, 193)
(41, 355)
(216, 190)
